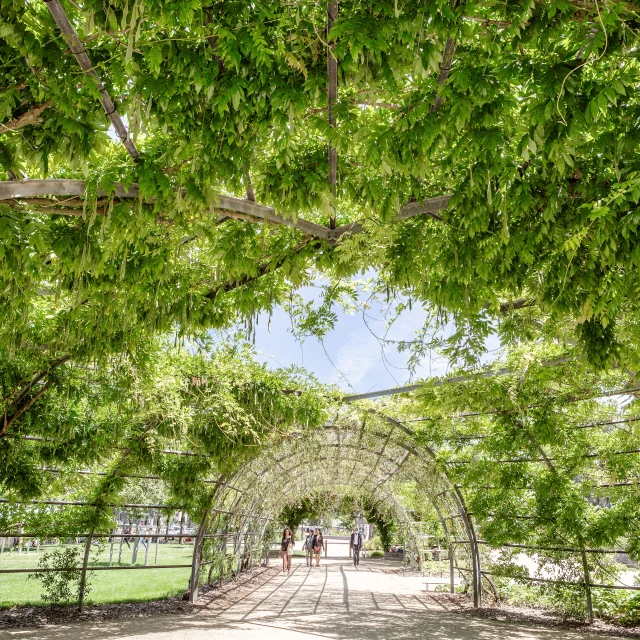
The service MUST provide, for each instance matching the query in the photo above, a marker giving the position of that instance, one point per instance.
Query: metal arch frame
(277, 505)
(429, 458)
(387, 497)
(285, 470)
(361, 448)
(225, 488)
(464, 514)
(432, 457)
(197, 544)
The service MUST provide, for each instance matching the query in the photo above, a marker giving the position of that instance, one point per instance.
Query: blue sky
(351, 357)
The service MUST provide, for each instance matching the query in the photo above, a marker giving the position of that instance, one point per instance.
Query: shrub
(376, 554)
(630, 611)
(61, 586)
(373, 544)
(618, 606)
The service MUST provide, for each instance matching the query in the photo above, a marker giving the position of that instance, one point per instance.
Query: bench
(435, 582)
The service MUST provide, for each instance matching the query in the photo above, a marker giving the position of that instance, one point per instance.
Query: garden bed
(29, 616)
(459, 603)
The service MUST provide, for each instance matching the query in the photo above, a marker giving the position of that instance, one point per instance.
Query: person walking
(308, 547)
(318, 544)
(286, 548)
(356, 545)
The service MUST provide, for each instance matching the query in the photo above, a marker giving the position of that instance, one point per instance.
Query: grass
(106, 586)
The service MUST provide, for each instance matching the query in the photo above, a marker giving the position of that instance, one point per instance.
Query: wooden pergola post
(83, 576)
(195, 563)
(332, 96)
(452, 585)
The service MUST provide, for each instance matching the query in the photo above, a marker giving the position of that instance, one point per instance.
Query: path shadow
(310, 603)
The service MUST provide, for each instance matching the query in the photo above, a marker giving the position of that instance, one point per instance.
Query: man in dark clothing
(356, 545)
(308, 547)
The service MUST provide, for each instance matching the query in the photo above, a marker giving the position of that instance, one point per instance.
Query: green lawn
(106, 586)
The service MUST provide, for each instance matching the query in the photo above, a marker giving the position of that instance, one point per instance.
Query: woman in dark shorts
(286, 547)
(318, 544)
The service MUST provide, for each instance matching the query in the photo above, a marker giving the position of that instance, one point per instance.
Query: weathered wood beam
(24, 190)
(77, 48)
(445, 70)
(332, 96)
(255, 210)
(33, 116)
(428, 206)
(28, 190)
(512, 305)
(251, 196)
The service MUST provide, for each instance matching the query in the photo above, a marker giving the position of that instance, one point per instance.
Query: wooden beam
(445, 70)
(332, 96)
(255, 210)
(77, 48)
(33, 116)
(26, 189)
(429, 206)
(21, 189)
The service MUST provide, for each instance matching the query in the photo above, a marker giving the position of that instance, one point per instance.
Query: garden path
(336, 601)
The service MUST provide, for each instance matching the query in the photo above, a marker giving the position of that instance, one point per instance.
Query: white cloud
(359, 355)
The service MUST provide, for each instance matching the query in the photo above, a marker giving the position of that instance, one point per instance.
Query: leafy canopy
(527, 113)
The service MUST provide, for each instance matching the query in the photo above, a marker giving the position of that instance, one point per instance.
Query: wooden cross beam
(332, 96)
(77, 48)
(16, 191)
(23, 190)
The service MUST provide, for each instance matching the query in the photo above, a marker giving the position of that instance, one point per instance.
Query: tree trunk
(83, 576)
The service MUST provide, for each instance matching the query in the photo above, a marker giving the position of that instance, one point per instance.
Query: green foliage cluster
(535, 431)
(373, 544)
(533, 130)
(117, 417)
(323, 507)
(614, 606)
(618, 606)
(60, 579)
(294, 515)
(385, 525)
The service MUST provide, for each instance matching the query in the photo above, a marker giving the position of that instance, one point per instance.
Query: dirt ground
(335, 600)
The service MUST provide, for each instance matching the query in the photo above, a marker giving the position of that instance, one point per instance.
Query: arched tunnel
(370, 456)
